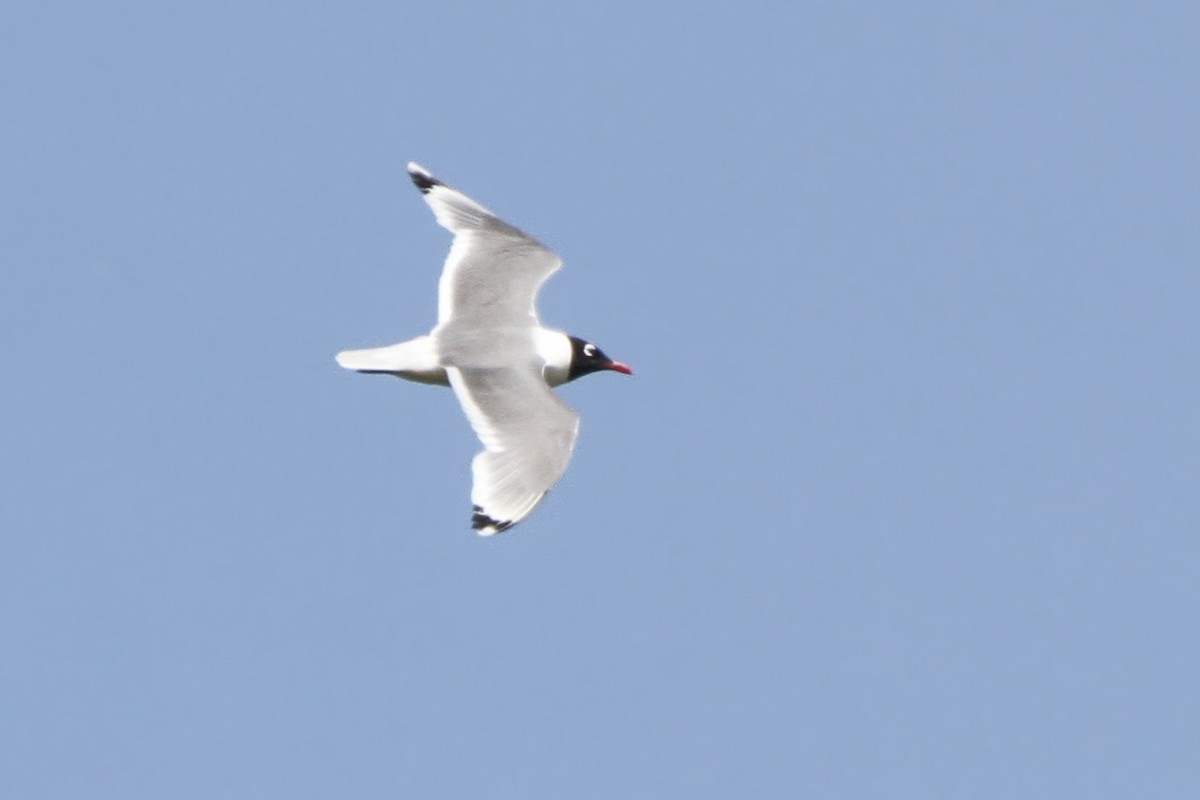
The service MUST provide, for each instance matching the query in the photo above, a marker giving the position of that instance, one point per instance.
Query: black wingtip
(421, 177)
(479, 521)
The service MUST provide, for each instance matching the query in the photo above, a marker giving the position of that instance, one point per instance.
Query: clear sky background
(902, 501)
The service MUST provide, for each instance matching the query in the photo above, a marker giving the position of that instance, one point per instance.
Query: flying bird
(490, 348)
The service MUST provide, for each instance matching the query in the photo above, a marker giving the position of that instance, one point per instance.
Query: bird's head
(586, 358)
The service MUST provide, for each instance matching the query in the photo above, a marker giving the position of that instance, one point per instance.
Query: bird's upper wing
(528, 434)
(494, 270)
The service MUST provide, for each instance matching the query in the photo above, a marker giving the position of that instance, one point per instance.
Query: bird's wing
(494, 270)
(528, 434)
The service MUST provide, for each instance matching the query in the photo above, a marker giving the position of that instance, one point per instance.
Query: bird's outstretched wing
(528, 434)
(494, 271)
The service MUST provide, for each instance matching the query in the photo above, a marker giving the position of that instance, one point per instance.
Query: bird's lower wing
(528, 434)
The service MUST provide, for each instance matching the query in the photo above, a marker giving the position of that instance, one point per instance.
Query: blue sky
(902, 501)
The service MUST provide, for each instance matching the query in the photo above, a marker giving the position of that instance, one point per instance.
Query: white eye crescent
(589, 350)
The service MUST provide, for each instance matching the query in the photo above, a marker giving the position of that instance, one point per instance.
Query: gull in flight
(489, 347)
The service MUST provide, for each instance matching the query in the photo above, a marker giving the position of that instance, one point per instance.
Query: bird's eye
(589, 350)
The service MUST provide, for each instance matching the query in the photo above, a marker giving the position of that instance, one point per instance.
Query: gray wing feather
(528, 434)
(494, 270)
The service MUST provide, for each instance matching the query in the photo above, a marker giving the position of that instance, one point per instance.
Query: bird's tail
(416, 360)
(375, 359)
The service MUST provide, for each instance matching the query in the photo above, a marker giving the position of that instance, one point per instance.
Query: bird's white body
(420, 359)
